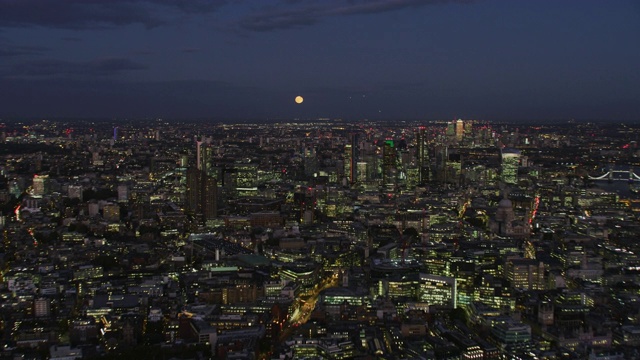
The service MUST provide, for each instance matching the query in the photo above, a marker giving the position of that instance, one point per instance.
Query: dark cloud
(82, 14)
(11, 51)
(292, 14)
(56, 68)
(190, 50)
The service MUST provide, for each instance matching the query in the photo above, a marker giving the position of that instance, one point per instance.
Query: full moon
(299, 99)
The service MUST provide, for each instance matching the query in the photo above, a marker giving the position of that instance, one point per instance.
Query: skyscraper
(40, 185)
(388, 161)
(202, 194)
(459, 129)
(355, 157)
(510, 162)
(422, 154)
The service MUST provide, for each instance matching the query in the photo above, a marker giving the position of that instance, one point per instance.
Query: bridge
(617, 175)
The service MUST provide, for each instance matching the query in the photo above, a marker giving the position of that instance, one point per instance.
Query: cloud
(56, 68)
(83, 14)
(293, 14)
(190, 50)
(12, 51)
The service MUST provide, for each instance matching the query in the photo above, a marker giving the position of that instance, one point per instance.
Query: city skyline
(402, 59)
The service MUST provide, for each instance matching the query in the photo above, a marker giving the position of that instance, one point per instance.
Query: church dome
(505, 203)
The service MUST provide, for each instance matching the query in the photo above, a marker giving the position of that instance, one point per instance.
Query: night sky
(350, 59)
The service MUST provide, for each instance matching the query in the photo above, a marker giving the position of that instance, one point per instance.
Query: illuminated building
(209, 198)
(347, 161)
(388, 162)
(459, 129)
(526, 274)
(306, 276)
(123, 193)
(111, 212)
(42, 307)
(40, 185)
(193, 181)
(512, 334)
(422, 155)
(494, 292)
(438, 290)
(354, 158)
(202, 193)
(509, 166)
(75, 192)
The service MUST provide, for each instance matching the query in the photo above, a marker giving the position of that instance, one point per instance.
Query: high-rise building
(199, 154)
(459, 129)
(510, 163)
(438, 290)
(422, 155)
(351, 158)
(525, 274)
(388, 161)
(40, 185)
(193, 186)
(347, 162)
(202, 193)
(209, 197)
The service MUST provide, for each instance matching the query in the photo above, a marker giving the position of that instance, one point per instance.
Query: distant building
(40, 185)
(438, 290)
(510, 162)
(525, 274)
(422, 155)
(42, 307)
(459, 129)
(58, 352)
(75, 192)
(202, 194)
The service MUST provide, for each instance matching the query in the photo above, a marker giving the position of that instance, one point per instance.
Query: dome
(505, 203)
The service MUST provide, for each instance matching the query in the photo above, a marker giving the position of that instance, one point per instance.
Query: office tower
(193, 181)
(451, 130)
(310, 161)
(75, 192)
(441, 155)
(438, 290)
(123, 193)
(351, 158)
(422, 154)
(362, 171)
(347, 162)
(207, 152)
(468, 127)
(459, 129)
(525, 274)
(388, 161)
(40, 185)
(510, 163)
(42, 307)
(202, 193)
(209, 197)
(199, 154)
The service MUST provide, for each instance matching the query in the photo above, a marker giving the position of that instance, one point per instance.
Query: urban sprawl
(319, 239)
